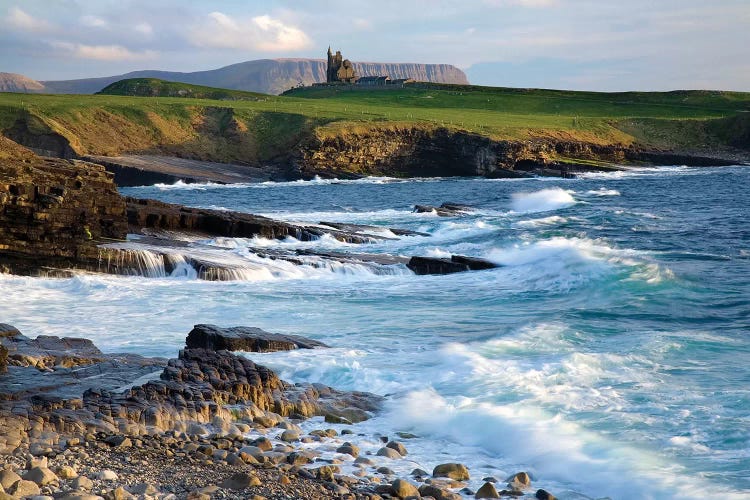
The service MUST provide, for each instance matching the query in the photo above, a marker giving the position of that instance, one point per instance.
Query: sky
(605, 45)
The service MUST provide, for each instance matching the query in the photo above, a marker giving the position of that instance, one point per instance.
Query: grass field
(264, 126)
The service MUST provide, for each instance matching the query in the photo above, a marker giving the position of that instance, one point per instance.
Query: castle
(341, 70)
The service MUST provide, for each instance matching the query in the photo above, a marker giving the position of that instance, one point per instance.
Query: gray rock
(289, 436)
(107, 475)
(428, 490)
(144, 489)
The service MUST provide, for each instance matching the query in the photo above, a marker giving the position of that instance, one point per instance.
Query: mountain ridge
(268, 76)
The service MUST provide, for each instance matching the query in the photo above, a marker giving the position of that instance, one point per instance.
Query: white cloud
(23, 21)
(94, 22)
(262, 33)
(144, 28)
(103, 52)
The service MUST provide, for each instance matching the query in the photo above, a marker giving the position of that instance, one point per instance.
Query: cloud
(102, 52)
(262, 33)
(94, 22)
(144, 28)
(362, 24)
(25, 22)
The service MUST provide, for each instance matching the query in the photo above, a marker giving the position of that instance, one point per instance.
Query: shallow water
(608, 356)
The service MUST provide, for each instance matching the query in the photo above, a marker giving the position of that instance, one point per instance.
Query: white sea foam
(602, 191)
(544, 200)
(552, 220)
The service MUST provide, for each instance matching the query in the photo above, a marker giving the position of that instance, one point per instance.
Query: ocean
(608, 356)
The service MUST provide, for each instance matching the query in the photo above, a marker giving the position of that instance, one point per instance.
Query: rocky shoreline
(76, 423)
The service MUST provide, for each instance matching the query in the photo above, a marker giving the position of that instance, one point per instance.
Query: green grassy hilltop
(225, 125)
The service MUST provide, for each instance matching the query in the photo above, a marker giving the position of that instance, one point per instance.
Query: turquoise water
(609, 356)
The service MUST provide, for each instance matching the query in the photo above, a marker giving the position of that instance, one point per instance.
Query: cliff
(269, 76)
(53, 211)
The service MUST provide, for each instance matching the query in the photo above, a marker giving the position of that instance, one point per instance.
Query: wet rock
(519, 481)
(404, 489)
(3, 359)
(456, 264)
(455, 471)
(444, 210)
(247, 339)
(487, 490)
(388, 453)
(349, 449)
(428, 490)
(544, 495)
(400, 448)
(289, 436)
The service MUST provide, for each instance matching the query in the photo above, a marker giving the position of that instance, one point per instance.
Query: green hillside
(153, 87)
(235, 126)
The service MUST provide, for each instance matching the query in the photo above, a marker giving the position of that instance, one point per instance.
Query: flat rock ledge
(248, 339)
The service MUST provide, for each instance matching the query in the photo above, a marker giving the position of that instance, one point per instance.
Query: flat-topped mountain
(269, 76)
(13, 82)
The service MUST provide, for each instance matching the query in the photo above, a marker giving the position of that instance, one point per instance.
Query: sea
(608, 355)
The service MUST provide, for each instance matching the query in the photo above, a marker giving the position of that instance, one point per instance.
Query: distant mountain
(13, 82)
(269, 76)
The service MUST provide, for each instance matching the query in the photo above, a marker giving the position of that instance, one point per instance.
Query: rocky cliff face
(270, 76)
(429, 152)
(13, 82)
(53, 211)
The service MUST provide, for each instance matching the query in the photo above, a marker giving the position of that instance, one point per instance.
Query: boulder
(349, 449)
(389, 453)
(8, 478)
(454, 471)
(487, 490)
(24, 488)
(544, 495)
(428, 490)
(247, 339)
(400, 448)
(41, 476)
(240, 481)
(404, 489)
(519, 481)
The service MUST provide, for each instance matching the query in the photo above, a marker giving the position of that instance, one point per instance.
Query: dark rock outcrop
(158, 215)
(242, 338)
(112, 393)
(444, 210)
(53, 212)
(456, 264)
